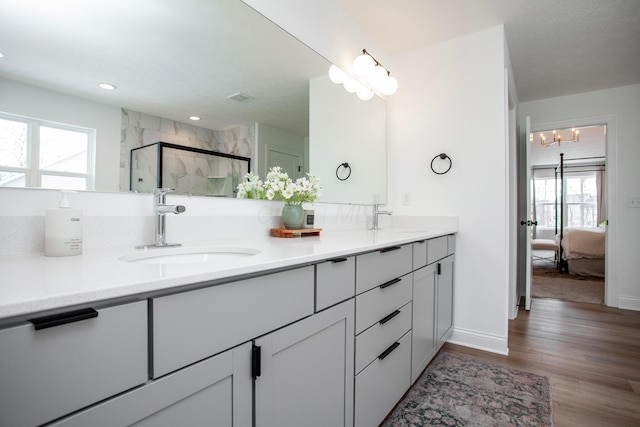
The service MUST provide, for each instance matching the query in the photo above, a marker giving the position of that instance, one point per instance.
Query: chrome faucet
(160, 208)
(376, 213)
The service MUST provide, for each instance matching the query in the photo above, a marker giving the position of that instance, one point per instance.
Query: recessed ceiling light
(107, 86)
(1, 55)
(196, 118)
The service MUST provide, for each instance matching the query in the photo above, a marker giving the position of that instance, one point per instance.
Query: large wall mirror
(245, 78)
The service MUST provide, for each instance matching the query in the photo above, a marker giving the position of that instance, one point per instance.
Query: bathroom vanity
(325, 330)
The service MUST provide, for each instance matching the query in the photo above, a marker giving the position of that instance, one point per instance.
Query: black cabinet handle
(63, 318)
(390, 282)
(336, 260)
(439, 269)
(392, 248)
(256, 370)
(389, 350)
(389, 317)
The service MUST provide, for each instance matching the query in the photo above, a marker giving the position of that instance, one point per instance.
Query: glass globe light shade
(377, 75)
(350, 85)
(389, 85)
(364, 93)
(363, 64)
(336, 75)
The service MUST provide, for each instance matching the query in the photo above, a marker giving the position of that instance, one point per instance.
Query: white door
(527, 219)
(290, 162)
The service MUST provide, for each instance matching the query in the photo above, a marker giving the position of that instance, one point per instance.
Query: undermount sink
(185, 255)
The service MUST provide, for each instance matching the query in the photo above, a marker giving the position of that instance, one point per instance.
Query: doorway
(588, 177)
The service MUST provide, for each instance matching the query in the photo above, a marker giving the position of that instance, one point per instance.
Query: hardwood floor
(589, 352)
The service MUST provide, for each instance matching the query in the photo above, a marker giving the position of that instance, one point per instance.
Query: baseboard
(629, 303)
(479, 340)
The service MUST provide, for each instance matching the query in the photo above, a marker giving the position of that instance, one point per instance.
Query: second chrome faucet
(160, 209)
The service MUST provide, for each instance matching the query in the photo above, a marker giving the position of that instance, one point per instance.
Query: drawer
(451, 244)
(376, 268)
(51, 372)
(419, 254)
(335, 281)
(191, 326)
(373, 341)
(378, 302)
(382, 384)
(437, 249)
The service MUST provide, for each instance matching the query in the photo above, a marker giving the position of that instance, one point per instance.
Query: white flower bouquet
(278, 186)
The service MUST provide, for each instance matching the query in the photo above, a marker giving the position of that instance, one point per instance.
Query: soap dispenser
(63, 229)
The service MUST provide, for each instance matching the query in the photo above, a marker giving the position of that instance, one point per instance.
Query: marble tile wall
(140, 129)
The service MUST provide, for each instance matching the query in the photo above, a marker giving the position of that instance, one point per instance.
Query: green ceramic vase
(292, 217)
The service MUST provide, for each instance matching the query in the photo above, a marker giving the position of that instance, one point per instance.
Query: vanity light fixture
(370, 77)
(194, 118)
(107, 86)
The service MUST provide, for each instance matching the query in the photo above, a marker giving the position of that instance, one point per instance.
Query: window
(581, 196)
(36, 153)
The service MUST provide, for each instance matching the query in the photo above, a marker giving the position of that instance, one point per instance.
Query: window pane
(64, 182)
(13, 143)
(63, 150)
(12, 179)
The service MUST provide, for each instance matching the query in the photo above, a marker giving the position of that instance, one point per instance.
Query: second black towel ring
(346, 166)
(443, 156)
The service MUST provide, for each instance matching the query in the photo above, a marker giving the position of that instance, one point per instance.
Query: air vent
(240, 97)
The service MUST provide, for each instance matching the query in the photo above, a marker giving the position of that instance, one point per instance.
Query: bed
(583, 249)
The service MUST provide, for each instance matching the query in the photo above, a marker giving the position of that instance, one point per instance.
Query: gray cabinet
(382, 332)
(59, 365)
(216, 391)
(304, 378)
(445, 299)
(193, 325)
(424, 319)
(432, 304)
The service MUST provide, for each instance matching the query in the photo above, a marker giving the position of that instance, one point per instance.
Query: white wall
(452, 99)
(623, 103)
(345, 129)
(38, 103)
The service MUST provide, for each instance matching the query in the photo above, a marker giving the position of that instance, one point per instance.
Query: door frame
(610, 280)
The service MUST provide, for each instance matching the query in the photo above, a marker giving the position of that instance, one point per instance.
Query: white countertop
(31, 283)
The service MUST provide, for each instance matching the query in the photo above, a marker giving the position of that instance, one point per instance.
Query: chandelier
(548, 138)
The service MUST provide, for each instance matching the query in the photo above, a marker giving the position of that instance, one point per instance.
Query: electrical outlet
(634, 202)
(406, 199)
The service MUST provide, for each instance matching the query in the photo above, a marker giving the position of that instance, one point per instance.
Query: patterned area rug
(457, 390)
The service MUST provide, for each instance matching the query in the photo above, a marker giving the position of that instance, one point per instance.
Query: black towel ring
(346, 166)
(443, 156)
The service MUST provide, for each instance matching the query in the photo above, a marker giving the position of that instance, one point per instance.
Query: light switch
(634, 202)
(406, 199)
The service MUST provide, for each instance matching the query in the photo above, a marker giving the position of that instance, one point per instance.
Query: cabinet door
(306, 375)
(216, 391)
(424, 312)
(445, 299)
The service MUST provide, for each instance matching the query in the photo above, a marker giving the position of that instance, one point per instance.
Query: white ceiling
(557, 47)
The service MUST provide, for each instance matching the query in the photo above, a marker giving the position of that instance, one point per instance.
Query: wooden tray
(303, 232)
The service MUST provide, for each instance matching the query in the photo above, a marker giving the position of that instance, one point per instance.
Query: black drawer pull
(63, 318)
(421, 241)
(335, 260)
(390, 282)
(389, 350)
(392, 248)
(256, 363)
(389, 317)
(439, 269)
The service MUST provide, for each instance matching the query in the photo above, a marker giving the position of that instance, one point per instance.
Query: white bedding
(583, 243)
